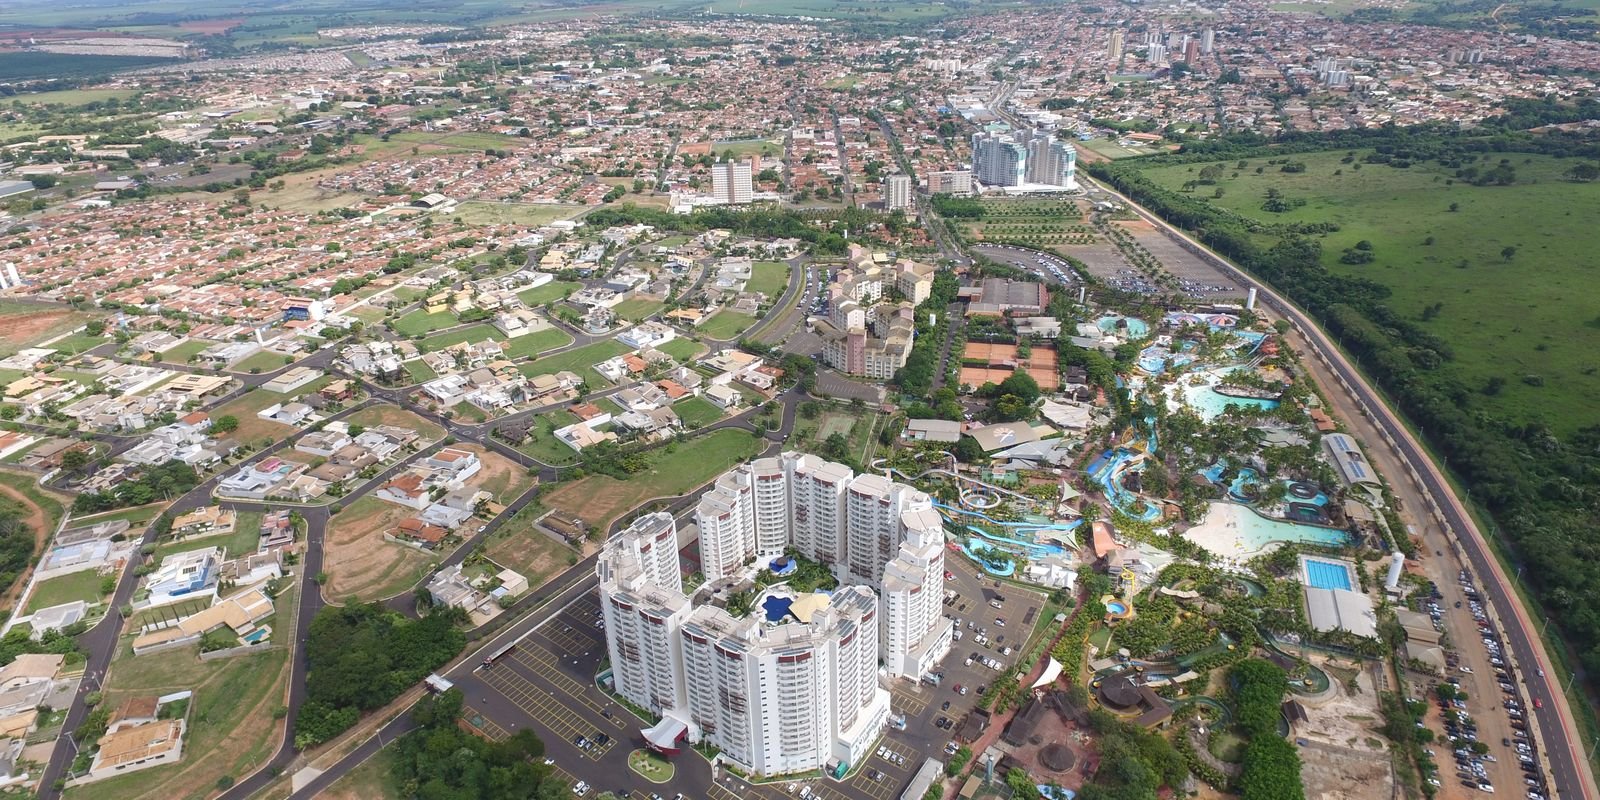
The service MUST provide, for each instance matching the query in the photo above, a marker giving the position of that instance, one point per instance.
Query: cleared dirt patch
(360, 564)
(24, 326)
(500, 476)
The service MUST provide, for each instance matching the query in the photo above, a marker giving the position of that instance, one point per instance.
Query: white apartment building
(726, 517)
(957, 182)
(897, 192)
(774, 697)
(731, 182)
(653, 540)
(915, 633)
(816, 496)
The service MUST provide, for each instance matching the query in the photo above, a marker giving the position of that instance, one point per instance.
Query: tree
(74, 460)
(1508, 252)
(836, 446)
(1584, 173)
(227, 423)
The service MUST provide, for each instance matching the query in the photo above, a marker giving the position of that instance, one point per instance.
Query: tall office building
(998, 160)
(795, 694)
(1051, 161)
(897, 192)
(1114, 48)
(731, 182)
(1208, 41)
(1156, 54)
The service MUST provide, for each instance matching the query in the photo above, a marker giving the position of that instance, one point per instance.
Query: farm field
(579, 361)
(554, 290)
(363, 566)
(230, 716)
(1525, 320)
(727, 324)
(673, 470)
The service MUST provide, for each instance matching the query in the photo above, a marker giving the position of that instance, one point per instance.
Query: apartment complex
(731, 182)
(788, 682)
(862, 334)
(952, 181)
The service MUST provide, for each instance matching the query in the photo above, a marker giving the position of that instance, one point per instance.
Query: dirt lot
(500, 476)
(24, 325)
(359, 563)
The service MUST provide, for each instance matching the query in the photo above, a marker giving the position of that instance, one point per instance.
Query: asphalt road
(1569, 768)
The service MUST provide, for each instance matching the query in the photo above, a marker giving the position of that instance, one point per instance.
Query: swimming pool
(1326, 574)
(1115, 323)
(1116, 608)
(776, 607)
(978, 550)
(256, 636)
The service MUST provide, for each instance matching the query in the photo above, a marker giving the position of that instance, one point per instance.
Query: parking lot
(1483, 741)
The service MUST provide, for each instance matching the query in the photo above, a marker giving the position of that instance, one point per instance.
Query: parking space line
(494, 732)
(909, 704)
(720, 792)
(874, 789)
(545, 709)
(540, 661)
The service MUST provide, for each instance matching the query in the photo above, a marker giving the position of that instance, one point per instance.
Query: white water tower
(1250, 299)
(1397, 564)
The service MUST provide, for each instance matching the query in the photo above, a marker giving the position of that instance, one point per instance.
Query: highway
(1570, 770)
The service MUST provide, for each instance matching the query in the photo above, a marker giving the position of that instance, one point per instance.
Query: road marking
(908, 704)
(545, 709)
(542, 663)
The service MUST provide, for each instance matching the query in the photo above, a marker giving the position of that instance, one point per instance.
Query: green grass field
(420, 321)
(554, 290)
(419, 372)
(673, 470)
(75, 97)
(394, 415)
(1527, 317)
(682, 349)
(183, 352)
(745, 149)
(696, 412)
(770, 278)
(579, 361)
(532, 215)
(83, 586)
(545, 447)
(264, 361)
(472, 334)
(532, 344)
(638, 308)
(726, 324)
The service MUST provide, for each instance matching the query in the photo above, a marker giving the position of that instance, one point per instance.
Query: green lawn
(579, 361)
(472, 334)
(554, 290)
(1529, 320)
(79, 342)
(373, 779)
(183, 352)
(265, 361)
(682, 349)
(419, 371)
(726, 324)
(673, 470)
(770, 278)
(697, 412)
(638, 308)
(83, 586)
(532, 344)
(545, 447)
(420, 321)
(135, 516)
(532, 215)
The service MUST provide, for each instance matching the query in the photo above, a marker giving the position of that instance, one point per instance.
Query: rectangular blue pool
(1327, 575)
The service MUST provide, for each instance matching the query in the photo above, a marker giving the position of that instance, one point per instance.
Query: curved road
(1570, 768)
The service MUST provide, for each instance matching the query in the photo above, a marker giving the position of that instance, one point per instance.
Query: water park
(1115, 468)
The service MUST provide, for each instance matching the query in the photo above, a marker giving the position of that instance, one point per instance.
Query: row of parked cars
(1471, 757)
